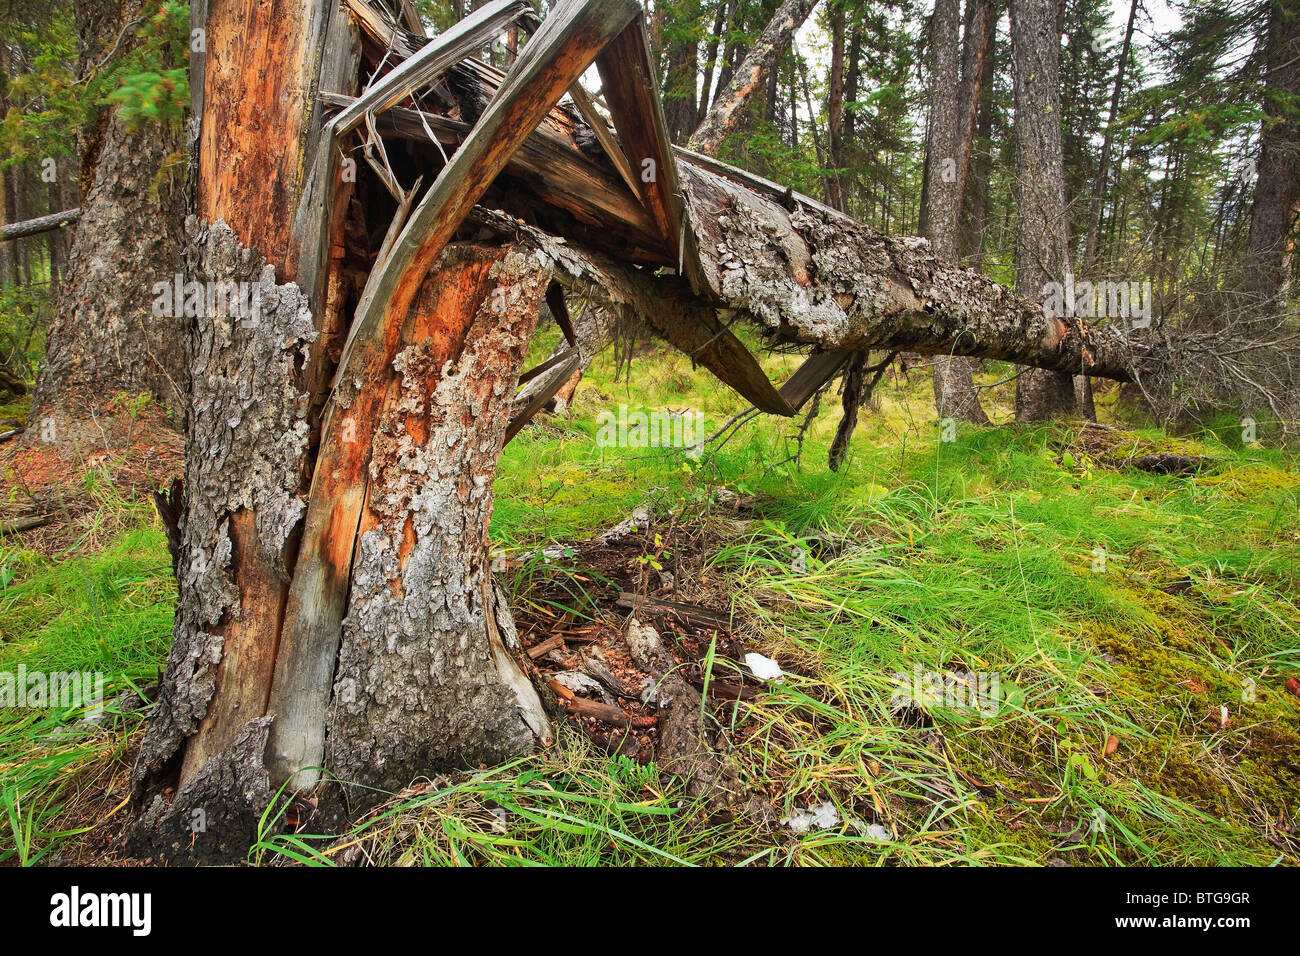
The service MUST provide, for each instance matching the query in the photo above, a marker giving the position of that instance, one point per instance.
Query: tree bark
(835, 110)
(682, 52)
(1103, 165)
(106, 335)
(731, 105)
(1277, 187)
(1041, 252)
(248, 429)
(429, 681)
(420, 674)
(975, 204)
(954, 387)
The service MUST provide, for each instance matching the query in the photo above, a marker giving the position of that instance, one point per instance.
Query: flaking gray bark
(426, 679)
(246, 447)
(1041, 227)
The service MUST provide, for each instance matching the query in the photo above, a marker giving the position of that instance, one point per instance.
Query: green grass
(92, 610)
(1109, 602)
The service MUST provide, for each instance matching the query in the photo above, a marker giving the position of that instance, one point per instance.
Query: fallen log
(545, 647)
(811, 275)
(33, 227)
(24, 523)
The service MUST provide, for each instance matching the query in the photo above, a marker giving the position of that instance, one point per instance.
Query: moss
(16, 410)
(1250, 482)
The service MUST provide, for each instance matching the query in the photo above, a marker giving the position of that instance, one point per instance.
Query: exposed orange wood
(255, 107)
(342, 508)
(243, 676)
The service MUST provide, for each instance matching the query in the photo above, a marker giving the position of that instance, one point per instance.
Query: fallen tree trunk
(812, 275)
(34, 227)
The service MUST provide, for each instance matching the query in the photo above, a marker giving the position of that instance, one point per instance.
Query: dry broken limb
(335, 602)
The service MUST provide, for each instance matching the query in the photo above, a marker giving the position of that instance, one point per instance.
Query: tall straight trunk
(8, 214)
(1041, 253)
(711, 60)
(835, 110)
(794, 102)
(977, 43)
(852, 77)
(679, 93)
(1107, 141)
(732, 51)
(954, 388)
(975, 197)
(110, 332)
(1277, 187)
(821, 148)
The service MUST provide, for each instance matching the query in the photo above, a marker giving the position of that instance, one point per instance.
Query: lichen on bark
(247, 442)
(422, 683)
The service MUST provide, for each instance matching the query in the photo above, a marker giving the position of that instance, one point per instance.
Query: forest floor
(1008, 648)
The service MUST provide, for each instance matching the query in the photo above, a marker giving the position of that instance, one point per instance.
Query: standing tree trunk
(835, 110)
(1277, 187)
(1107, 140)
(106, 335)
(954, 387)
(975, 202)
(1041, 253)
(720, 23)
(682, 53)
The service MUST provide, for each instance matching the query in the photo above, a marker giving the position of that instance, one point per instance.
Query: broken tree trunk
(731, 104)
(570, 38)
(248, 434)
(426, 676)
(811, 275)
(335, 607)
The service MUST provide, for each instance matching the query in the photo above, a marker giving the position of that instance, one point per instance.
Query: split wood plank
(555, 302)
(628, 82)
(815, 372)
(546, 366)
(312, 223)
(587, 108)
(556, 381)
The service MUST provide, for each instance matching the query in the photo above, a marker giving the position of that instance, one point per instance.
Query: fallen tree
(337, 629)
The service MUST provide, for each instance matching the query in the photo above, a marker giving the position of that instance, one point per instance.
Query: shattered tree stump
(335, 610)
